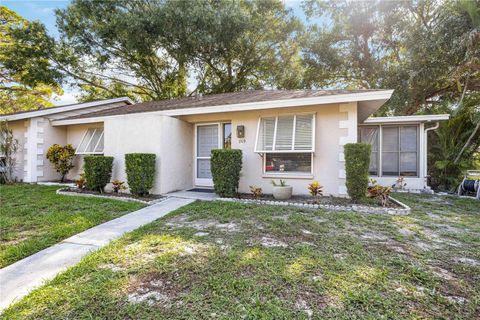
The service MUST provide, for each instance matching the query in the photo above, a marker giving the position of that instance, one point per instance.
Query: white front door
(208, 137)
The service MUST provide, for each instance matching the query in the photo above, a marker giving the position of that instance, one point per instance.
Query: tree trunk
(467, 143)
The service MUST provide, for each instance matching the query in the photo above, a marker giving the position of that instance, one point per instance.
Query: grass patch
(34, 217)
(225, 260)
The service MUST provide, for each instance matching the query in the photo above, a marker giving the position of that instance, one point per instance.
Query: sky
(44, 11)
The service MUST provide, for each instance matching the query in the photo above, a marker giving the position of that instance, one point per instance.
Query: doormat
(202, 190)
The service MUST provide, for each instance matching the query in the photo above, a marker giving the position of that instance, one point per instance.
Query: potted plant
(281, 191)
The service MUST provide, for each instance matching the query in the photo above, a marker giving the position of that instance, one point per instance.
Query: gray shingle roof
(217, 100)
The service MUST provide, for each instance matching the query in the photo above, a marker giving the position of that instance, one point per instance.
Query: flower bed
(150, 199)
(393, 207)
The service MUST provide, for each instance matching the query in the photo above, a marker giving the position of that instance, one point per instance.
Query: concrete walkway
(18, 279)
(196, 195)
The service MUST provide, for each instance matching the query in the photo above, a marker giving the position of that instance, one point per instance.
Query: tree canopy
(25, 82)
(427, 51)
(149, 49)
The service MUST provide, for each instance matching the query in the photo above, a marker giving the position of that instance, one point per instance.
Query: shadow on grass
(327, 270)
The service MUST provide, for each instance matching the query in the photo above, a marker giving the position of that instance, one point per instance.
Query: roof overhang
(368, 102)
(59, 109)
(380, 96)
(407, 119)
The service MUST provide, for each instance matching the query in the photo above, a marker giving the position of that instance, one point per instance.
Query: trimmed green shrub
(226, 165)
(357, 162)
(98, 171)
(140, 169)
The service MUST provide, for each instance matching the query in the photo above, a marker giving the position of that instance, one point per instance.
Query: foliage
(62, 158)
(9, 146)
(118, 185)
(80, 182)
(98, 170)
(357, 160)
(379, 192)
(34, 217)
(236, 46)
(226, 165)
(140, 169)
(457, 136)
(281, 183)
(257, 192)
(426, 50)
(315, 189)
(26, 80)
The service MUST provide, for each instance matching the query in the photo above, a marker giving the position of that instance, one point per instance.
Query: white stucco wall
(18, 129)
(327, 162)
(168, 138)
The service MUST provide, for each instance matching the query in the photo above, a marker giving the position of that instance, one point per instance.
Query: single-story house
(296, 135)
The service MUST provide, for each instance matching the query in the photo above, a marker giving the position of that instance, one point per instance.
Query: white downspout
(425, 160)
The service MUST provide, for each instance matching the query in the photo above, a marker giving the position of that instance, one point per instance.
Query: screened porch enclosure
(395, 149)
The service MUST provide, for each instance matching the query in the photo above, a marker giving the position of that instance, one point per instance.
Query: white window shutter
(285, 134)
(304, 132)
(265, 134)
(284, 138)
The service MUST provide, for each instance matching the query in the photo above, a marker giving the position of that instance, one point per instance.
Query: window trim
(89, 141)
(380, 147)
(292, 150)
(290, 174)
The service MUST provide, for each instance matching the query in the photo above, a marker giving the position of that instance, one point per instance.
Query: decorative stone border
(404, 210)
(64, 192)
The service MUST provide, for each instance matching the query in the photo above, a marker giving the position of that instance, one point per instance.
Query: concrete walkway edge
(18, 279)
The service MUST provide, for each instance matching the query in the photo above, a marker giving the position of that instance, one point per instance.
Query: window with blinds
(289, 133)
(92, 142)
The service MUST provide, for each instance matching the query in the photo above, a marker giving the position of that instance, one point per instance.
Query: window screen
(399, 151)
(370, 135)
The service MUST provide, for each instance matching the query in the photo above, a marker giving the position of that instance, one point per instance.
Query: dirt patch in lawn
(154, 289)
(182, 221)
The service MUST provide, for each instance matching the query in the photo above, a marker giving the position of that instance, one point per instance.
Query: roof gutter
(407, 119)
(425, 157)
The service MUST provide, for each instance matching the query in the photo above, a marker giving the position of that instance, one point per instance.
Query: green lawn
(222, 260)
(34, 217)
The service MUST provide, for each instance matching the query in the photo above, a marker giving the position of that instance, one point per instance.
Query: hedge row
(357, 162)
(140, 169)
(98, 171)
(226, 165)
